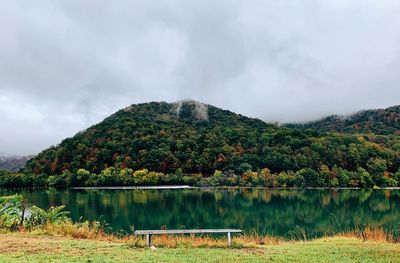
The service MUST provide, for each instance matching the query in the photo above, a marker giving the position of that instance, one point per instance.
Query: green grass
(18, 247)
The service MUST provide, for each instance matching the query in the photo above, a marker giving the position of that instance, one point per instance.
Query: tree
(299, 179)
(71, 178)
(126, 176)
(377, 167)
(57, 181)
(244, 167)
(324, 175)
(108, 176)
(216, 179)
(343, 177)
(138, 176)
(353, 156)
(396, 177)
(311, 177)
(82, 176)
(365, 178)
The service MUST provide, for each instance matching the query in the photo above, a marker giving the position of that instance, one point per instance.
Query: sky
(65, 65)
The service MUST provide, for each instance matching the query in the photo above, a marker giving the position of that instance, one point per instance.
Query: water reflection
(272, 211)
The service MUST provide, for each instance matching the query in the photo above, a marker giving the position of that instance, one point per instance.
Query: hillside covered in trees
(382, 121)
(197, 144)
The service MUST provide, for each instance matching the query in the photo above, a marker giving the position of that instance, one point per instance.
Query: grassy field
(18, 247)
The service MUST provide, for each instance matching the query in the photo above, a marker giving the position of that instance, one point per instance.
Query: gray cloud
(65, 65)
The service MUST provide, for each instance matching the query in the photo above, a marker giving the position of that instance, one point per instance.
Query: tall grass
(93, 230)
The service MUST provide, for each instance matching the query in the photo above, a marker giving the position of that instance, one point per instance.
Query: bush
(12, 214)
(396, 177)
(10, 211)
(138, 176)
(388, 182)
(40, 217)
(193, 179)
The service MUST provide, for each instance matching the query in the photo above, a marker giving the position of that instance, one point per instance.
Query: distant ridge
(380, 121)
(13, 163)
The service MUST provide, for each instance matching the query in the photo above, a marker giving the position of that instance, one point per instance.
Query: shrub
(40, 217)
(10, 211)
(138, 176)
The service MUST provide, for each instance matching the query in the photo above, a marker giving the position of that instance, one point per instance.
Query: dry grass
(174, 241)
(93, 231)
(220, 241)
(85, 230)
(373, 234)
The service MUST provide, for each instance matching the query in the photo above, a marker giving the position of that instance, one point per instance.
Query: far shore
(160, 187)
(173, 187)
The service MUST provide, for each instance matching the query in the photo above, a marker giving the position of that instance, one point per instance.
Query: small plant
(299, 233)
(40, 217)
(10, 211)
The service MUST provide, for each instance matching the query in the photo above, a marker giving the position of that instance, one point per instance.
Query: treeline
(376, 176)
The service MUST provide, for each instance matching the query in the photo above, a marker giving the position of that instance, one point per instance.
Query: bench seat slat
(186, 231)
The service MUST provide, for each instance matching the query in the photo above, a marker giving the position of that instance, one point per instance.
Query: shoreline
(161, 187)
(178, 187)
(186, 187)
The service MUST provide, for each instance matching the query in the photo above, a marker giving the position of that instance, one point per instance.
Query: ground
(17, 247)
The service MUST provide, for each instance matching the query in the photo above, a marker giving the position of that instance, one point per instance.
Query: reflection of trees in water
(276, 211)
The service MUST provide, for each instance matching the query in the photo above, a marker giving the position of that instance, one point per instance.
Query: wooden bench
(149, 233)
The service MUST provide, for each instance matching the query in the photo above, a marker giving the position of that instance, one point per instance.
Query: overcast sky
(65, 65)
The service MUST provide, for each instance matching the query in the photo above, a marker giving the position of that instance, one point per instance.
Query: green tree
(377, 167)
(311, 177)
(82, 176)
(244, 167)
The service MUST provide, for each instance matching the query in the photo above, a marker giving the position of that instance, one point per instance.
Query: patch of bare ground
(10, 243)
(254, 251)
(36, 244)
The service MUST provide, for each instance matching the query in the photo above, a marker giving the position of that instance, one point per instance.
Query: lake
(276, 212)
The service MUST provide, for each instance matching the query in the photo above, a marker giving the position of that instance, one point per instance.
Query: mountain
(381, 121)
(199, 138)
(13, 163)
(159, 136)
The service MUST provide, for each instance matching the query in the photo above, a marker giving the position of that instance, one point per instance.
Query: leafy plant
(53, 215)
(10, 211)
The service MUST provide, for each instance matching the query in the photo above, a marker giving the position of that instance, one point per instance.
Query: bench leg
(229, 239)
(148, 240)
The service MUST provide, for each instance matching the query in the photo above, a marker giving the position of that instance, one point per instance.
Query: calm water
(266, 211)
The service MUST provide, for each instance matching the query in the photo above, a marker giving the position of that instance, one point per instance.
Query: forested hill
(381, 121)
(193, 143)
(159, 136)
